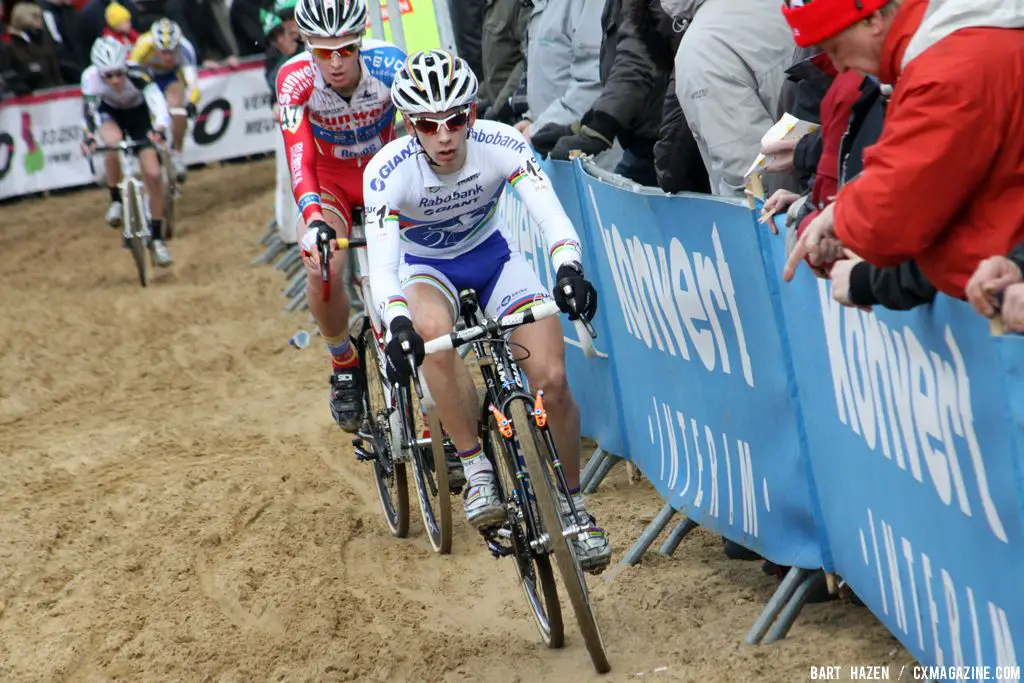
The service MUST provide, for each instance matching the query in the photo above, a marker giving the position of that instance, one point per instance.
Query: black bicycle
(516, 439)
(395, 430)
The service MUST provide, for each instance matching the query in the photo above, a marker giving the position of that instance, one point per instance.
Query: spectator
(61, 22)
(468, 24)
(730, 69)
(504, 36)
(677, 161)
(209, 32)
(284, 41)
(119, 24)
(936, 187)
(629, 105)
(564, 41)
(33, 59)
(246, 25)
(92, 20)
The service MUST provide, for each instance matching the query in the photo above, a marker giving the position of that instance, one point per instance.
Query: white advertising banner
(41, 134)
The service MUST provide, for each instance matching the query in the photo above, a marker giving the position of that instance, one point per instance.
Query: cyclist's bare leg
(545, 369)
(110, 133)
(149, 164)
(447, 376)
(175, 95)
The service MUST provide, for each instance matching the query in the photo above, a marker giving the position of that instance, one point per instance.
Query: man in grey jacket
(730, 69)
(563, 49)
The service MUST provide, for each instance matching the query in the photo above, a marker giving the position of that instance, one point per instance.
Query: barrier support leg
(676, 537)
(779, 598)
(271, 231)
(600, 472)
(652, 531)
(275, 249)
(296, 285)
(588, 470)
(792, 608)
(290, 256)
(297, 303)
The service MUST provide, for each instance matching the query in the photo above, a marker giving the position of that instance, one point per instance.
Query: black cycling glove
(584, 296)
(398, 367)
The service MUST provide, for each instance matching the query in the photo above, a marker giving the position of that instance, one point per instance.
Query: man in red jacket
(944, 185)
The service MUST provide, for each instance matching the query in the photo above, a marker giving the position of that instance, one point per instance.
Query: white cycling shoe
(592, 546)
(161, 253)
(483, 508)
(179, 166)
(114, 214)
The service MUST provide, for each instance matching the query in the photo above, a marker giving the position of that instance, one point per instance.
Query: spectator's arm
(584, 83)
(899, 288)
(954, 128)
(9, 73)
(677, 159)
(630, 83)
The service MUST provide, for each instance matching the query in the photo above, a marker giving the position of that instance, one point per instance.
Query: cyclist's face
(115, 79)
(168, 58)
(339, 62)
(444, 136)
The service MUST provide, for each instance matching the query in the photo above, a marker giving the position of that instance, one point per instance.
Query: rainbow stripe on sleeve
(564, 245)
(516, 176)
(395, 304)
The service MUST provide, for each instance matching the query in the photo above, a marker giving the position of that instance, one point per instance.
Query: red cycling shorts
(341, 188)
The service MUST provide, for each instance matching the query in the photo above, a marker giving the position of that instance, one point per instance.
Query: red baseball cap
(813, 21)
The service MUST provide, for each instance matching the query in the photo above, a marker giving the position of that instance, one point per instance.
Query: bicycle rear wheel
(523, 525)
(535, 451)
(383, 432)
(432, 481)
(135, 229)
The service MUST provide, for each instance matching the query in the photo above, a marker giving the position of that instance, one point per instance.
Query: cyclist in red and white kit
(336, 113)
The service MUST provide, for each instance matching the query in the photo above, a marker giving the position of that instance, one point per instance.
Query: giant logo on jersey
(377, 182)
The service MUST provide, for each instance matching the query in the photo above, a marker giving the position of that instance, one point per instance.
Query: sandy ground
(175, 504)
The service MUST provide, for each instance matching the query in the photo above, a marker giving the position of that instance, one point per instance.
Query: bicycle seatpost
(323, 245)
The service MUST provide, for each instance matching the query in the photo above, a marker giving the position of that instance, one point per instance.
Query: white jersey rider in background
(432, 230)
(120, 99)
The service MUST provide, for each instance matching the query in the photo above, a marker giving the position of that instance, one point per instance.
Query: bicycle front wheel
(384, 434)
(135, 228)
(536, 452)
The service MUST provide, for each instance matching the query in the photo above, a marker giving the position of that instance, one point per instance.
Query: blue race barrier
(592, 380)
(909, 443)
(706, 401)
(746, 401)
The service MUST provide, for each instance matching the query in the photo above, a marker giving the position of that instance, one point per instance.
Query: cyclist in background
(336, 113)
(432, 230)
(119, 101)
(165, 51)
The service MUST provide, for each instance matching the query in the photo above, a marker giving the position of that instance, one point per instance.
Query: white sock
(476, 466)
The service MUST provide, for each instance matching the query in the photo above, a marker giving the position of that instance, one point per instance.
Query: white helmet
(330, 18)
(166, 34)
(433, 81)
(108, 54)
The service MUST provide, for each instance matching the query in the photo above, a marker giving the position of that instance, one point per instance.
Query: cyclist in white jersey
(432, 230)
(120, 100)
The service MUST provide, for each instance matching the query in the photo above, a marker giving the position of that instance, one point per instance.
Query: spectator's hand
(526, 128)
(545, 139)
(992, 276)
(818, 243)
(780, 201)
(210, 64)
(782, 151)
(1013, 308)
(582, 141)
(232, 61)
(840, 275)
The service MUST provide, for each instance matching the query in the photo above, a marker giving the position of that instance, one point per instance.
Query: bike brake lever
(323, 244)
(567, 290)
(411, 357)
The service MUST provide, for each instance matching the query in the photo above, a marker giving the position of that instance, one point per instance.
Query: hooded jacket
(944, 185)
(730, 69)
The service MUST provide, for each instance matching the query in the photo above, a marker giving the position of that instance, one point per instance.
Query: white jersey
(413, 214)
(138, 89)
